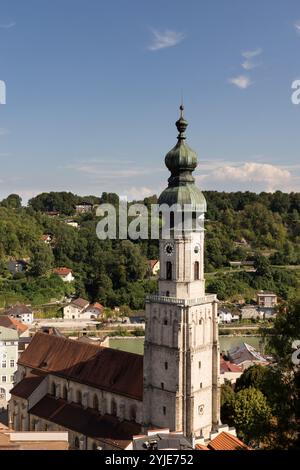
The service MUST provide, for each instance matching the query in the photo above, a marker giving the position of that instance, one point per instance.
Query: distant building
(52, 213)
(229, 371)
(72, 223)
(46, 238)
(266, 299)
(46, 440)
(225, 440)
(8, 362)
(20, 312)
(65, 274)
(14, 324)
(80, 309)
(235, 264)
(251, 311)
(160, 439)
(83, 207)
(246, 355)
(227, 317)
(153, 266)
(15, 266)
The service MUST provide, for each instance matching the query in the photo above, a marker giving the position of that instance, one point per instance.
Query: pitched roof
(245, 352)
(81, 303)
(18, 309)
(13, 323)
(152, 262)
(96, 305)
(63, 271)
(227, 366)
(226, 441)
(86, 421)
(100, 367)
(8, 334)
(26, 386)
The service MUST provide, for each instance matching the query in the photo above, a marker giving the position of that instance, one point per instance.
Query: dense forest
(262, 228)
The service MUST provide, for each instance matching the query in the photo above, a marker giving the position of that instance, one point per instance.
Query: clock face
(197, 249)
(169, 249)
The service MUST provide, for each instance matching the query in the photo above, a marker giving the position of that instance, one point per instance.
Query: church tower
(181, 359)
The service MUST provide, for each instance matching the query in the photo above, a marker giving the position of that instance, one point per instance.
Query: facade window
(162, 386)
(78, 397)
(169, 270)
(166, 366)
(199, 364)
(76, 443)
(114, 407)
(65, 393)
(53, 389)
(200, 384)
(3, 364)
(95, 402)
(3, 378)
(196, 271)
(164, 410)
(133, 413)
(165, 322)
(12, 363)
(168, 293)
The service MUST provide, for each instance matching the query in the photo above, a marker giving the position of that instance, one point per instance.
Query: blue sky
(93, 89)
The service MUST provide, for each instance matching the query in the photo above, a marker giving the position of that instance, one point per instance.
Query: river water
(136, 345)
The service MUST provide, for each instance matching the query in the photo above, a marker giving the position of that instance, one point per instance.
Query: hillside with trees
(261, 228)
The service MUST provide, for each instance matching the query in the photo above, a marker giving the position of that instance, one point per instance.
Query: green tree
(254, 376)
(13, 201)
(42, 260)
(251, 415)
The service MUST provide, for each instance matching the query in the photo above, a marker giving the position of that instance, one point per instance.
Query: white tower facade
(181, 359)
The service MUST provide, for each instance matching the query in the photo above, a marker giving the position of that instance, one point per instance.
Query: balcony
(162, 299)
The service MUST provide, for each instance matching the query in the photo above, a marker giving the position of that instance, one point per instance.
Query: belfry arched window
(79, 397)
(169, 270)
(196, 271)
(65, 393)
(114, 407)
(95, 402)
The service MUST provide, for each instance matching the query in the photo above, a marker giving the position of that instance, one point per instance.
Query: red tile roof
(100, 367)
(81, 303)
(152, 262)
(26, 386)
(96, 305)
(86, 421)
(13, 323)
(226, 441)
(63, 271)
(227, 366)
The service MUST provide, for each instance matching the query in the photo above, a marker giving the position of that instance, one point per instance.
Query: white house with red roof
(82, 309)
(65, 274)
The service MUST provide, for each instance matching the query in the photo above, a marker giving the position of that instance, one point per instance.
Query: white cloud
(8, 25)
(297, 26)
(251, 54)
(242, 81)
(250, 176)
(167, 38)
(248, 64)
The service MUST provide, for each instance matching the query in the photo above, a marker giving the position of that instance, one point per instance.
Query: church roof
(104, 368)
(86, 421)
